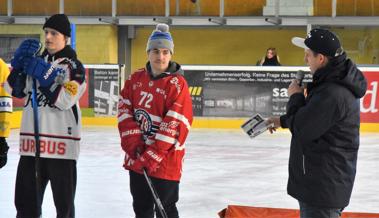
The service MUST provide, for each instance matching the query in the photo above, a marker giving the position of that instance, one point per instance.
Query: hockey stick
(37, 140)
(37, 143)
(157, 200)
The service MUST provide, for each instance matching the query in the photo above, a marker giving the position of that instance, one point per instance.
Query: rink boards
(199, 122)
(223, 96)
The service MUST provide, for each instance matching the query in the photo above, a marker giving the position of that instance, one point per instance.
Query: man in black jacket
(325, 127)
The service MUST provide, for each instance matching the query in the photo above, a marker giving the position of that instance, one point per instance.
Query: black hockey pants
(143, 201)
(60, 173)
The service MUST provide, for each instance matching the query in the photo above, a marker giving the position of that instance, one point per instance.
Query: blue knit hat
(160, 38)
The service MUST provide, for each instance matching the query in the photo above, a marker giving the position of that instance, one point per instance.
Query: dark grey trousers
(310, 211)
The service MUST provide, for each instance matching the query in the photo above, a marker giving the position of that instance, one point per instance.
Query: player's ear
(323, 59)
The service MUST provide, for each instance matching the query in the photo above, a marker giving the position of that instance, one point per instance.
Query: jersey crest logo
(144, 121)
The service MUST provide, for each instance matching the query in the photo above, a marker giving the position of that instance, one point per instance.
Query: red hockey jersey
(160, 108)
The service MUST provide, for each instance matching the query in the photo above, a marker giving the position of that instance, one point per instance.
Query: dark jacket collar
(342, 71)
(173, 68)
(66, 52)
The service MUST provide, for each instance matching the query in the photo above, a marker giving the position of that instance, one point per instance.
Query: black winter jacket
(325, 135)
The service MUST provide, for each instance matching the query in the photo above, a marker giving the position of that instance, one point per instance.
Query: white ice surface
(221, 168)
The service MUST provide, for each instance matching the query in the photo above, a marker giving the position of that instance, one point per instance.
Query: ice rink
(221, 167)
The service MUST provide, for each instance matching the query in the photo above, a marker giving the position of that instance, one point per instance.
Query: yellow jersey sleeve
(5, 101)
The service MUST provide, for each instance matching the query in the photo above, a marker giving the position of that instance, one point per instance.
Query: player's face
(159, 59)
(54, 40)
(314, 61)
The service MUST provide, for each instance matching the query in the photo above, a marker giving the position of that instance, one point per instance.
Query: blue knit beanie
(160, 38)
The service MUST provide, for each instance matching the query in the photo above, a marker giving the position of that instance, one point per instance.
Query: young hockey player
(155, 115)
(60, 84)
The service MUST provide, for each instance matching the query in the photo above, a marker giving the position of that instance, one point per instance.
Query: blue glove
(42, 71)
(26, 50)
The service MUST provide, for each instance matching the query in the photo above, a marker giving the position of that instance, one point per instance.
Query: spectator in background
(197, 10)
(271, 58)
(5, 111)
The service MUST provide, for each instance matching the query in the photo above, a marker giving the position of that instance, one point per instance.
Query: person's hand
(294, 88)
(132, 139)
(273, 123)
(149, 160)
(3, 152)
(42, 71)
(25, 51)
(133, 146)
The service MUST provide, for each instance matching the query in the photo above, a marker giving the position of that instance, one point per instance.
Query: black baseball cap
(321, 41)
